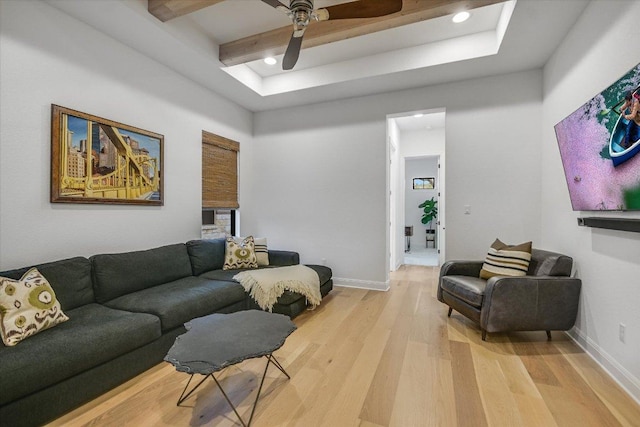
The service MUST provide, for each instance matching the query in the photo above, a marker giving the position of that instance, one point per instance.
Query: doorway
(421, 201)
(412, 137)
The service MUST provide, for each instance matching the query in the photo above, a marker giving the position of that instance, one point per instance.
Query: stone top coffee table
(214, 342)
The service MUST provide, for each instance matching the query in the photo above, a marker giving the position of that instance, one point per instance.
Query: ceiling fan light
(270, 60)
(461, 17)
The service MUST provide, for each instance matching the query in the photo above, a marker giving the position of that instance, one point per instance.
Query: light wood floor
(369, 359)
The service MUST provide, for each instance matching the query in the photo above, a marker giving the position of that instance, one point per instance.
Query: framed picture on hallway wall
(96, 160)
(424, 183)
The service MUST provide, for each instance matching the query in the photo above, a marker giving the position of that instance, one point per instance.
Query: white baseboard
(619, 373)
(361, 284)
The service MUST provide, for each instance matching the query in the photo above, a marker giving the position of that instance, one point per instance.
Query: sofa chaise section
(207, 260)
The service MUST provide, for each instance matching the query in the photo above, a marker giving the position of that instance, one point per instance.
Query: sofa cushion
(467, 288)
(93, 335)
(69, 278)
(119, 274)
(288, 297)
(324, 272)
(27, 306)
(179, 301)
(283, 258)
(289, 302)
(506, 260)
(206, 255)
(240, 254)
(224, 275)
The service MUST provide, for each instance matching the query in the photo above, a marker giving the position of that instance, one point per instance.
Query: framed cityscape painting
(96, 160)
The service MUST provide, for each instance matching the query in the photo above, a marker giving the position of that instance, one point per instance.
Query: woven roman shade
(219, 172)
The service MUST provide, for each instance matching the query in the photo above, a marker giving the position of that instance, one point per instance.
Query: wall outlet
(467, 209)
(621, 332)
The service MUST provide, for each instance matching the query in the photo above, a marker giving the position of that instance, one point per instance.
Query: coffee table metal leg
(181, 398)
(255, 403)
(270, 359)
(231, 404)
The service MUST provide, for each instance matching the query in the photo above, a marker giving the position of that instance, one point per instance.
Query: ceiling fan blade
(276, 4)
(361, 9)
(293, 50)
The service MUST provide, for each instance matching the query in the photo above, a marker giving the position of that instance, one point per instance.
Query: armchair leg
(548, 335)
(450, 310)
(484, 335)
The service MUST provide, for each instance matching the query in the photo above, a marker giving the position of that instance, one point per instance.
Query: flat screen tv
(600, 148)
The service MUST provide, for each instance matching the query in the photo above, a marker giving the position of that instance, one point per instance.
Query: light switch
(467, 209)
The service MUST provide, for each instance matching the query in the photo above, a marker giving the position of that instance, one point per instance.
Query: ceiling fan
(302, 12)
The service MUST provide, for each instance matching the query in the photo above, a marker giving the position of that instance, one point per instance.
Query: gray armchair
(545, 299)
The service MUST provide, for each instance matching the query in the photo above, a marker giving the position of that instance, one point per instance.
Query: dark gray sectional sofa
(125, 311)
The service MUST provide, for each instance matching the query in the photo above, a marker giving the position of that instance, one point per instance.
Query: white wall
(323, 188)
(601, 47)
(418, 168)
(48, 57)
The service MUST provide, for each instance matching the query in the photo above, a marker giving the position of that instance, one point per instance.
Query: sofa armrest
(461, 268)
(458, 268)
(283, 258)
(530, 303)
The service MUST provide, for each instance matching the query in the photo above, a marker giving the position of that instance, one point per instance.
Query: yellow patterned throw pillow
(239, 255)
(27, 306)
(506, 260)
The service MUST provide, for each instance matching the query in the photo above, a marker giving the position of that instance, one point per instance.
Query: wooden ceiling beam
(275, 42)
(165, 10)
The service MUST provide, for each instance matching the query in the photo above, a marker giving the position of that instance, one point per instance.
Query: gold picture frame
(96, 160)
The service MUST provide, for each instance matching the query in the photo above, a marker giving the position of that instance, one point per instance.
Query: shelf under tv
(622, 224)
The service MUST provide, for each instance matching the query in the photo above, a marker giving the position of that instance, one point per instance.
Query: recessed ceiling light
(460, 17)
(270, 60)
(418, 115)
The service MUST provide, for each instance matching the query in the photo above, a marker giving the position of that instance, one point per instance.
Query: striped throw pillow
(506, 260)
(262, 254)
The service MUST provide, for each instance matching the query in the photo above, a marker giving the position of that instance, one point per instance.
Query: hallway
(420, 255)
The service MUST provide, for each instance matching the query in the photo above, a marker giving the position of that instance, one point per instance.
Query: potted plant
(430, 210)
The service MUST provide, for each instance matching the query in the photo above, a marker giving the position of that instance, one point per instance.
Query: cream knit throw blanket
(268, 284)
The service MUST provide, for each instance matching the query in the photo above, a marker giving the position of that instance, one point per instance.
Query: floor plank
(380, 359)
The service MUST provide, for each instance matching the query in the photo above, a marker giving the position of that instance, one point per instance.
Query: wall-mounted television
(600, 148)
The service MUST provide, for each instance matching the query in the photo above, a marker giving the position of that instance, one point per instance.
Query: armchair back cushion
(545, 263)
